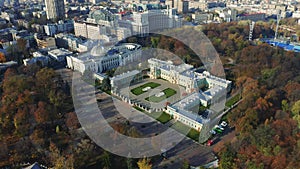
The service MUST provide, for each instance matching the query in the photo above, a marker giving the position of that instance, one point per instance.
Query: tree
(106, 160)
(42, 114)
(106, 84)
(2, 58)
(227, 157)
(21, 122)
(284, 105)
(298, 34)
(129, 163)
(154, 41)
(144, 163)
(58, 160)
(45, 79)
(22, 45)
(72, 121)
(38, 138)
(296, 112)
(185, 164)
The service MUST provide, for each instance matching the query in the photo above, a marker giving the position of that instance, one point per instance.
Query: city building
(68, 41)
(103, 22)
(103, 17)
(45, 42)
(95, 1)
(102, 58)
(202, 18)
(38, 58)
(61, 26)
(184, 76)
(142, 23)
(59, 54)
(4, 66)
(55, 9)
(89, 30)
(253, 17)
(125, 79)
(296, 14)
(182, 6)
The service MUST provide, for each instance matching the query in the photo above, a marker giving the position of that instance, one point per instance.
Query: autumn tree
(72, 121)
(2, 58)
(22, 46)
(144, 163)
(42, 114)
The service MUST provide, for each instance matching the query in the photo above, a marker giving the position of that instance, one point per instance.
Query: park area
(139, 90)
(167, 93)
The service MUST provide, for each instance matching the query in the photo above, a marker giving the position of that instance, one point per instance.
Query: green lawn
(162, 117)
(233, 100)
(182, 128)
(139, 90)
(168, 93)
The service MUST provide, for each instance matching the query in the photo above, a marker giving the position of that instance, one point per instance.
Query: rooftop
(59, 52)
(125, 75)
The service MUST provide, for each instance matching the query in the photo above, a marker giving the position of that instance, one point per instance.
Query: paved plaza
(126, 91)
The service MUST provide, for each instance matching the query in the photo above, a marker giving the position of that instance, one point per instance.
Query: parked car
(209, 142)
(224, 124)
(218, 130)
(219, 127)
(213, 132)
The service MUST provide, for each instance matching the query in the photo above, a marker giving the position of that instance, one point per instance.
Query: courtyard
(141, 89)
(162, 95)
(154, 93)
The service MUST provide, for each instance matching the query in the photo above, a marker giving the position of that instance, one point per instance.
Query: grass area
(139, 109)
(168, 93)
(139, 90)
(182, 128)
(202, 109)
(233, 100)
(162, 117)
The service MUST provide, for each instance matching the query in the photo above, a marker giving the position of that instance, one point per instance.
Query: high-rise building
(55, 9)
(95, 1)
(182, 6)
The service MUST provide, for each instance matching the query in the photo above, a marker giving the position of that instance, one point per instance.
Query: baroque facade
(193, 83)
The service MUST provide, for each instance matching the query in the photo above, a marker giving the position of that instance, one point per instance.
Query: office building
(55, 9)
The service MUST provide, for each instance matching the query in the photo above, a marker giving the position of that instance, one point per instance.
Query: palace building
(100, 58)
(193, 83)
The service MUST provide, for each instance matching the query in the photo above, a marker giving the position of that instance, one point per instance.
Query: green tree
(185, 164)
(106, 160)
(129, 163)
(284, 105)
(296, 112)
(227, 157)
(106, 84)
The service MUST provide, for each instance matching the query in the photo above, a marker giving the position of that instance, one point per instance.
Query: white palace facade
(193, 82)
(101, 59)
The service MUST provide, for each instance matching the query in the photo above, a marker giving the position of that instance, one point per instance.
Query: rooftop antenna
(278, 20)
(252, 23)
